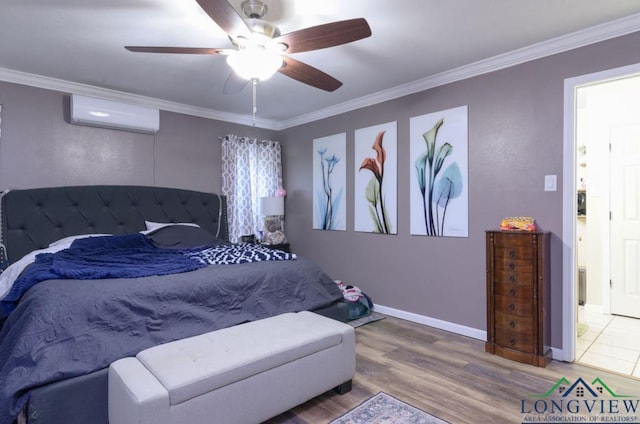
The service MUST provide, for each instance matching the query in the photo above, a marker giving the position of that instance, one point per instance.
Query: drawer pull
(512, 307)
(512, 341)
(512, 278)
(512, 292)
(512, 265)
(512, 324)
(512, 253)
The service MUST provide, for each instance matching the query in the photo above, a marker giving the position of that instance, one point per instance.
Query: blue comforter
(63, 328)
(126, 256)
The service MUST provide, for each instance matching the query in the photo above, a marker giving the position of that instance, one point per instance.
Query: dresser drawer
(523, 342)
(524, 293)
(514, 306)
(507, 322)
(508, 240)
(513, 278)
(509, 264)
(523, 252)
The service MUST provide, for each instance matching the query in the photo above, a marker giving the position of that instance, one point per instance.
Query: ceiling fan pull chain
(255, 104)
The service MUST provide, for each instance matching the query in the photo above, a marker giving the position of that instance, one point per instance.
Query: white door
(625, 220)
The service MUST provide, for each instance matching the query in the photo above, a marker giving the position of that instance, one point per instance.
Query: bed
(60, 335)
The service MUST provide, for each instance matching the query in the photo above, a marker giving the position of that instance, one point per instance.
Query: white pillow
(156, 225)
(70, 239)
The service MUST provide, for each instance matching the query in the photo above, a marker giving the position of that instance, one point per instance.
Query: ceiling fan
(260, 50)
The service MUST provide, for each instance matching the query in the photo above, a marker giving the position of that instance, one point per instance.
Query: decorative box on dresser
(518, 298)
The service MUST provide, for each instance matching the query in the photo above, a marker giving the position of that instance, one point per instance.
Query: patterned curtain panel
(251, 169)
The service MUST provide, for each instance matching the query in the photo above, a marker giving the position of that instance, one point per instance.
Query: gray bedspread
(66, 328)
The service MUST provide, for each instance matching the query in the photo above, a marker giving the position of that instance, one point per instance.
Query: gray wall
(515, 138)
(39, 148)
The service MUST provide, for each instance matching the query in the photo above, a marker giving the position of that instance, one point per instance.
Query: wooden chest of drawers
(518, 296)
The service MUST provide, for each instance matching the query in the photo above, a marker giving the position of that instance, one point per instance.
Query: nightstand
(284, 247)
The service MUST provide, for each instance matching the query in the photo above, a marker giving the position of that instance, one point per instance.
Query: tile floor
(611, 342)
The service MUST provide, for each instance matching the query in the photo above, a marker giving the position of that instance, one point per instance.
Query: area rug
(386, 409)
(372, 317)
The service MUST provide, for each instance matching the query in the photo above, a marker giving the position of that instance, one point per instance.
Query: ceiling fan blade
(326, 35)
(308, 74)
(225, 16)
(234, 84)
(179, 50)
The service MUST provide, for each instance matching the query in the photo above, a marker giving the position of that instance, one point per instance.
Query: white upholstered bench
(243, 374)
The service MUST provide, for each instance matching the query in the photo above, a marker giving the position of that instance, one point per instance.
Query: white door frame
(569, 259)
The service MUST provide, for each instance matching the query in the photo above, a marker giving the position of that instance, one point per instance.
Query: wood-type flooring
(448, 375)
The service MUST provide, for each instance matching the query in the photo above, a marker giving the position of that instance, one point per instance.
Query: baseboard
(556, 353)
(433, 322)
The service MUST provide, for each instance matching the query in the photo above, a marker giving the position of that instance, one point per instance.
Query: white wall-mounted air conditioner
(109, 114)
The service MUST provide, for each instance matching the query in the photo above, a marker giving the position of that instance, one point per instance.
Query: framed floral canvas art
(439, 173)
(329, 182)
(376, 179)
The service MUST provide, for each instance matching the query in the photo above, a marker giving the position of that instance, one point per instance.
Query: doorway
(605, 287)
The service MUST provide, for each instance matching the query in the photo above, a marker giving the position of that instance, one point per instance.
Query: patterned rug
(372, 317)
(385, 409)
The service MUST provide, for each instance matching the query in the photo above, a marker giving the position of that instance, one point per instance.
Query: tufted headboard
(33, 218)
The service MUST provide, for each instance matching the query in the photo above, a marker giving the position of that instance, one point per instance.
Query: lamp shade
(270, 206)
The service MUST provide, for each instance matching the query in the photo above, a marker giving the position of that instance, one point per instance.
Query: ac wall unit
(109, 114)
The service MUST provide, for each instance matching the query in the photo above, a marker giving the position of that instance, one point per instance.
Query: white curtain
(251, 169)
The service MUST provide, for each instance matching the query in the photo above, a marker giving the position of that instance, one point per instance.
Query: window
(250, 169)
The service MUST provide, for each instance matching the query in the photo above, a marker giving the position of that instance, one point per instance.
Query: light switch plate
(550, 182)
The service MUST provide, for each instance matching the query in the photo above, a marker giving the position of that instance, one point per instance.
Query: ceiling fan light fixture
(254, 9)
(260, 50)
(255, 63)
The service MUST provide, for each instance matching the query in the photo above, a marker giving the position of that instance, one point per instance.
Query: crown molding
(595, 34)
(69, 87)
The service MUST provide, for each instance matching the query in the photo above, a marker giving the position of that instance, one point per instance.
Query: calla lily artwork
(376, 179)
(439, 155)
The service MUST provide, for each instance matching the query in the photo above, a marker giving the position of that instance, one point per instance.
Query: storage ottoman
(243, 374)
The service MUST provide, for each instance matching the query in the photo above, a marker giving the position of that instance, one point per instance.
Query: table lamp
(272, 208)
